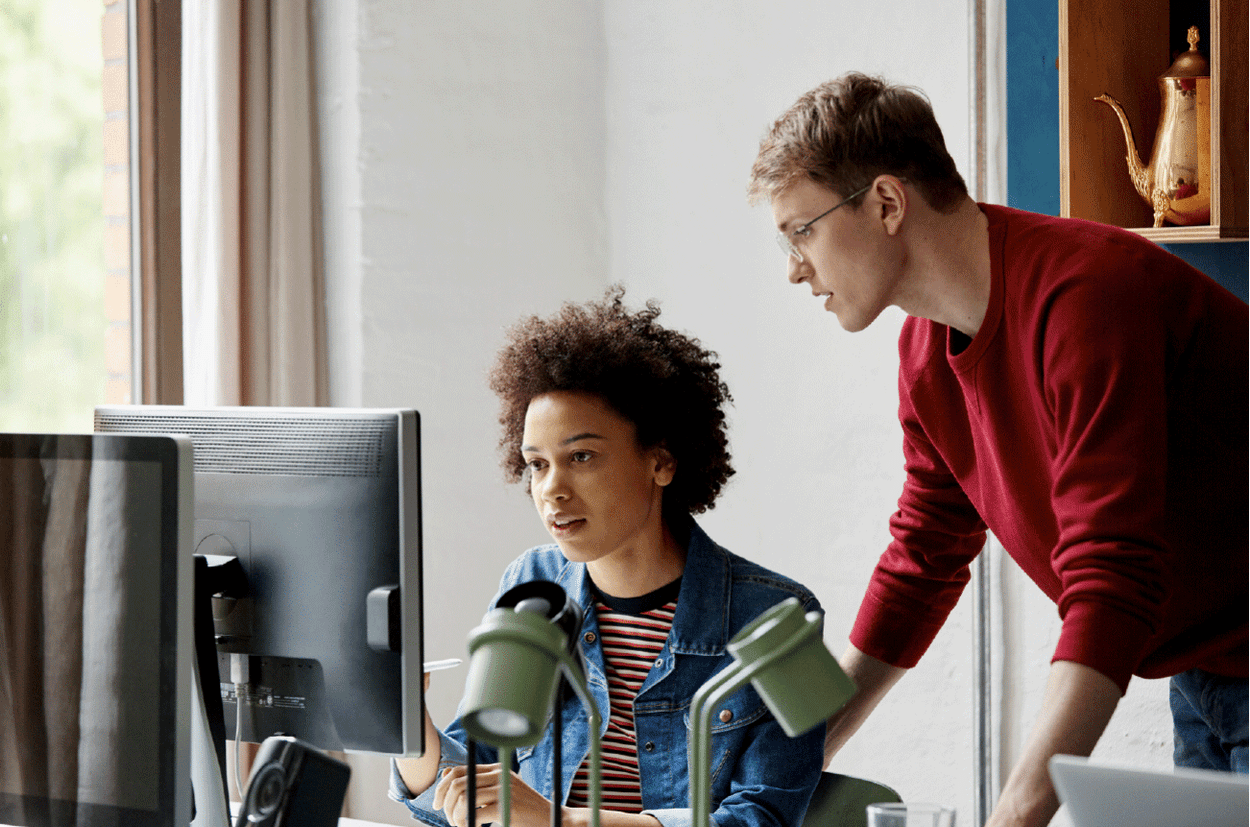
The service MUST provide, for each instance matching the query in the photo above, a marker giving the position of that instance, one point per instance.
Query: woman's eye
(533, 465)
(581, 456)
(803, 231)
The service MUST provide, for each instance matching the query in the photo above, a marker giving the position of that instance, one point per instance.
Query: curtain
(253, 286)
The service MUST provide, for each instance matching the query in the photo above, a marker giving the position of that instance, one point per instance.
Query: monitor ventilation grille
(291, 446)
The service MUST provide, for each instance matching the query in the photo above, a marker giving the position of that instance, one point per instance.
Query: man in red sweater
(1070, 386)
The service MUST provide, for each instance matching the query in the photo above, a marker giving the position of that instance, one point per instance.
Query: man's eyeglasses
(784, 240)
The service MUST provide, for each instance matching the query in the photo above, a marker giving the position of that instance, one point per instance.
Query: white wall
(464, 167)
(483, 161)
(691, 88)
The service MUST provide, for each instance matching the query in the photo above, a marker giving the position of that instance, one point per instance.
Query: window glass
(53, 324)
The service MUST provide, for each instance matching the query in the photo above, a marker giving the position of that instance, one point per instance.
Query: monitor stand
(208, 728)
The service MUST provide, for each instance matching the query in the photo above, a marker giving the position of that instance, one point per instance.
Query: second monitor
(321, 509)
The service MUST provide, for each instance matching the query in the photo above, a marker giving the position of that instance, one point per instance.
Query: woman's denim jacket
(759, 776)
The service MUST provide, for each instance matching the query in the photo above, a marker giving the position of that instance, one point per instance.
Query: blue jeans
(1209, 721)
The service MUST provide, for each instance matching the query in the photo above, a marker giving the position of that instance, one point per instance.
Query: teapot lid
(1190, 64)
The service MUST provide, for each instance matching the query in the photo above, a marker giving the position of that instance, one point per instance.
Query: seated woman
(616, 426)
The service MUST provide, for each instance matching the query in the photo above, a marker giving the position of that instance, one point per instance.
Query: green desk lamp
(782, 655)
(516, 658)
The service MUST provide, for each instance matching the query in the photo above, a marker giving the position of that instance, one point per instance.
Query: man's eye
(803, 231)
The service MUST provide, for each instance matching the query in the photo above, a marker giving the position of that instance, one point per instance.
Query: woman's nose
(554, 486)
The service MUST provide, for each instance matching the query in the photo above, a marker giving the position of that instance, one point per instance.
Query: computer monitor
(321, 508)
(95, 633)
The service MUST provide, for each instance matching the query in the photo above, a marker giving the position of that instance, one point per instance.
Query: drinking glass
(910, 815)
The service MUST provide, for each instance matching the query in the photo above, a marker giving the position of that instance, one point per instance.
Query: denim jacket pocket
(730, 729)
(741, 709)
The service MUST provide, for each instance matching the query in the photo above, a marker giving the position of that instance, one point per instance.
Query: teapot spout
(1141, 175)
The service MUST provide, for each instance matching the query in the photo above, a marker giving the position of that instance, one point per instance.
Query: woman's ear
(665, 466)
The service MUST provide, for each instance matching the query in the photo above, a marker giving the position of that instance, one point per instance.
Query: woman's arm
(419, 773)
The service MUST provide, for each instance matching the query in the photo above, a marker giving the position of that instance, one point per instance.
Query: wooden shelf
(1168, 234)
(1119, 48)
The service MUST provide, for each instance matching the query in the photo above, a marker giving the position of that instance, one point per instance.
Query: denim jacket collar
(693, 632)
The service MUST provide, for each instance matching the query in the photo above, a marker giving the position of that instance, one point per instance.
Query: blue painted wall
(1033, 135)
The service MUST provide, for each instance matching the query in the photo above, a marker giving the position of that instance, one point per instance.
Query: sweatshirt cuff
(1103, 638)
(889, 635)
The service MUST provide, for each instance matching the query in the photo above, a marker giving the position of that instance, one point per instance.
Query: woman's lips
(565, 525)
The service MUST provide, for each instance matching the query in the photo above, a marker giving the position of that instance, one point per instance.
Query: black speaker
(293, 784)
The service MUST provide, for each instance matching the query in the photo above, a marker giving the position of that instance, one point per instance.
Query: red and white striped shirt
(631, 643)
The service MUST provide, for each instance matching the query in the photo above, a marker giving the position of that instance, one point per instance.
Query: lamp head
(791, 668)
(542, 597)
(514, 664)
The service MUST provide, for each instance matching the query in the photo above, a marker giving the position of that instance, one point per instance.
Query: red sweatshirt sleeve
(936, 534)
(1105, 360)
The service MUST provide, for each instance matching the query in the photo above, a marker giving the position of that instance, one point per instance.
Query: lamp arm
(762, 652)
(705, 699)
(578, 681)
(505, 789)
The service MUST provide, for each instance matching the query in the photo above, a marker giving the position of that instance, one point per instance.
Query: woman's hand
(526, 807)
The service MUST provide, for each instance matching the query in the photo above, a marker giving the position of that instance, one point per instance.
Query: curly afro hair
(664, 382)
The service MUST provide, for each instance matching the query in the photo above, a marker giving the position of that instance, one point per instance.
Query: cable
(241, 677)
(238, 728)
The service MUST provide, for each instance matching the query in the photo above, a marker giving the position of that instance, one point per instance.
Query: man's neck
(948, 277)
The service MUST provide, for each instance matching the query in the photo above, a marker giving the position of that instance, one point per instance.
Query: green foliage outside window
(52, 319)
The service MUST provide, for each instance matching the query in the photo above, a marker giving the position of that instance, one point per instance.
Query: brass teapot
(1177, 183)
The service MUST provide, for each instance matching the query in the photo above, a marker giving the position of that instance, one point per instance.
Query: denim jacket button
(589, 637)
(649, 746)
(726, 716)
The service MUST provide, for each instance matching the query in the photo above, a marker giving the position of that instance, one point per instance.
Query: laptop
(1103, 795)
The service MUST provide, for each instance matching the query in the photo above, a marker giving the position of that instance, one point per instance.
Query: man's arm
(1076, 707)
(872, 679)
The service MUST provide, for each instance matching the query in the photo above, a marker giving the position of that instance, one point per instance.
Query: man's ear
(665, 466)
(892, 198)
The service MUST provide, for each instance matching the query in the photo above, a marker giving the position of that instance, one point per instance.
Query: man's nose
(796, 270)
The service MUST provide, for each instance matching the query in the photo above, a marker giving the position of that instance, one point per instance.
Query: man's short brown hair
(846, 132)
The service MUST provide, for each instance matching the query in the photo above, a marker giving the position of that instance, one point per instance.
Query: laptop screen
(1102, 795)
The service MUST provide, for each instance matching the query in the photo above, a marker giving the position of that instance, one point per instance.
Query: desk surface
(343, 822)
